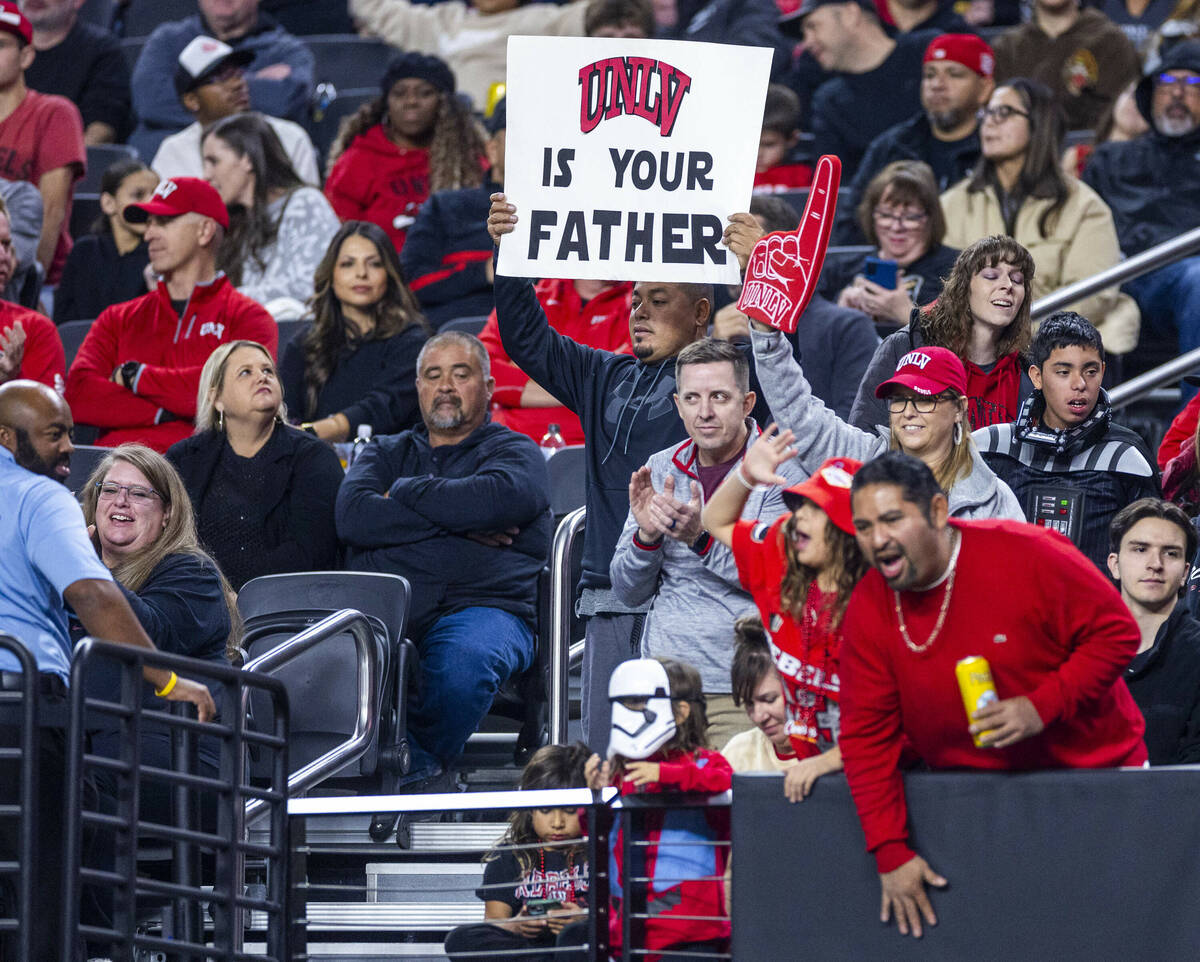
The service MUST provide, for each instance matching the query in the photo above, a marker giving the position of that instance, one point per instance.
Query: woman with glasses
(1018, 188)
(263, 492)
(901, 218)
(983, 318)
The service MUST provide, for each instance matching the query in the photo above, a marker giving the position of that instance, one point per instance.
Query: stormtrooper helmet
(639, 733)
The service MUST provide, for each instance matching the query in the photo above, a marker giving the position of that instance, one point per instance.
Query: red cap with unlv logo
(928, 371)
(965, 48)
(829, 490)
(181, 195)
(14, 22)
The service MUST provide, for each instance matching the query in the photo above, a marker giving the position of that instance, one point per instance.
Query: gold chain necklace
(941, 618)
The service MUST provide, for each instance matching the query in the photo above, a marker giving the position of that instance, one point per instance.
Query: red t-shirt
(805, 654)
(44, 359)
(1051, 627)
(782, 177)
(44, 132)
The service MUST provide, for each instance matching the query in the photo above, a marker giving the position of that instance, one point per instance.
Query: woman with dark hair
(262, 492)
(357, 363)
(1018, 188)
(983, 317)
(278, 227)
(415, 138)
(108, 265)
(902, 219)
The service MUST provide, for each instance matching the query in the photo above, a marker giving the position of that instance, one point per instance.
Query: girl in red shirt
(800, 570)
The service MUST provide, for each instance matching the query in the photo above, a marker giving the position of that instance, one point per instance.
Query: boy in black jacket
(1152, 541)
(1071, 468)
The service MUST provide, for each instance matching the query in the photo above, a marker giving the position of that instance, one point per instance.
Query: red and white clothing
(700, 867)
(805, 653)
(782, 178)
(1051, 627)
(377, 181)
(1180, 433)
(44, 133)
(44, 359)
(602, 323)
(172, 349)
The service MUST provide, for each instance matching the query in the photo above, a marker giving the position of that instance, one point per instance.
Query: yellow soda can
(975, 683)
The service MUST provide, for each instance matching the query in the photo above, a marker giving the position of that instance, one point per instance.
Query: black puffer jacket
(1152, 183)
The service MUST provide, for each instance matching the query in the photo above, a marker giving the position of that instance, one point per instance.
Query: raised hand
(764, 456)
(782, 273)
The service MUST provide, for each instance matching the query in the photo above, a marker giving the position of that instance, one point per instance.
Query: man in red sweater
(138, 370)
(1058, 639)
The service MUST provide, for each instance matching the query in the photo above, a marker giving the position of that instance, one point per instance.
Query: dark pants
(496, 941)
(611, 639)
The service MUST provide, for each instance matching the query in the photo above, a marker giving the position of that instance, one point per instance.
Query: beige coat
(1082, 242)
(475, 45)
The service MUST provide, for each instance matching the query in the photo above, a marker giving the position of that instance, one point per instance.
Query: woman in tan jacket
(1018, 188)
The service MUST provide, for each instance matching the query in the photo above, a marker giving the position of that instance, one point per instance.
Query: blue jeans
(465, 658)
(1169, 299)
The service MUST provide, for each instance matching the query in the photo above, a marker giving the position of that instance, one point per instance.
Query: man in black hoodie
(626, 406)
(1071, 468)
(1152, 185)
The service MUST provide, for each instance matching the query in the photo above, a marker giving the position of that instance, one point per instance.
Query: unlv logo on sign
(641, 86)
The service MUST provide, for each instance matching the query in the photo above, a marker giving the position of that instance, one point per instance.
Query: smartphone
(881, 272)
(541, 906)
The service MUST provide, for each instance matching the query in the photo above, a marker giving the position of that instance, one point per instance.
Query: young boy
(1071, 468)
(780, 134)
(1152, 542)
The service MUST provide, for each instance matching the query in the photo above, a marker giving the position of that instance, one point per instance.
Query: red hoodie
(994, 396)
(171, 349)
(1182, 430)
(603, 323)
(377, 181)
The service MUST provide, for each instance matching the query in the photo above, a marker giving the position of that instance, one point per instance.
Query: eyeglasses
(922, 405)
(135, 492)
(1000, 114)
(1186, 84)
(904, 218)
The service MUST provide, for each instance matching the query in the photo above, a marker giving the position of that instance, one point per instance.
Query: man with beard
(460, 507)
(930, 602)
(48, 560)
(956, 81)
(1152, 185)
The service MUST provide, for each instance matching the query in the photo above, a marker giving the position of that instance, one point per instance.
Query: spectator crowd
(789, 537)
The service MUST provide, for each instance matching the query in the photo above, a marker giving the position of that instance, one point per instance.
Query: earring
(958, 433)
(220, 420)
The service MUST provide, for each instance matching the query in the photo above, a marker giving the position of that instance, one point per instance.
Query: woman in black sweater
(263, 492)
(357, 363)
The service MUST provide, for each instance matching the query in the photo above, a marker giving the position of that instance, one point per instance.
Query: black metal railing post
(21, 706)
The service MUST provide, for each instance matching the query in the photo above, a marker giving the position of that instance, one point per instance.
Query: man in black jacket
(1152, 185)
(626, 405)
(1071, 468)
(1151, 542)
(460, 507)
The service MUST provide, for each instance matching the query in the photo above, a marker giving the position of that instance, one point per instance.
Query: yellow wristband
(168, 687)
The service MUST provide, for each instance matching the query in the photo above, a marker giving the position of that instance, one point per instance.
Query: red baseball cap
(929, 371)
(829, 490)
(14, 22)
(965, 48)
(181, 195)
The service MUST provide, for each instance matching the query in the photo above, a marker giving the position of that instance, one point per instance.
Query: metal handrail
(369, 684)
(1136, 388)
(1149, 260)
(562, 594)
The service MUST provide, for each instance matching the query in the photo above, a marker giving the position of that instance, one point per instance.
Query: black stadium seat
(348, 61)
(467, 325)
(85, 210)
(138, 18)
(72, 334)
(131, 49)
(324, 123)
(83, 462)
(99, 158)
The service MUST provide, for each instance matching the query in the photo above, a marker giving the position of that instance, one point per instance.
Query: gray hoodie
(695, 599)
(821, 434)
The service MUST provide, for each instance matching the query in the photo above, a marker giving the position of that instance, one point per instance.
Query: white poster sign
(625, 158)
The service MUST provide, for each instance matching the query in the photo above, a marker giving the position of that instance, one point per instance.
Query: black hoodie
(1165, 683)
(1152, 183)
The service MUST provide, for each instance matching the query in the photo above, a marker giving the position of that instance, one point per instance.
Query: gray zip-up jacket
(821, 434)
(696, 598)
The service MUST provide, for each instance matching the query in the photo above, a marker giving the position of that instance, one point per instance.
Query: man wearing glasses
(1152, 184)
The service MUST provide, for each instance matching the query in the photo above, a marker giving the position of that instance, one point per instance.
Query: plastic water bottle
(552, 441)
(361, 441)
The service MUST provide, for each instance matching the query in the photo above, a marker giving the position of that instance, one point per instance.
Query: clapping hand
(12, 352)
(659, 514)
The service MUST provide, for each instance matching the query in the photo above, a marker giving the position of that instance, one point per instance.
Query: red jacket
(44, 359)
(377, 181)
(603, 322)
(782, 177)
(1057, 632)
(1182, 430)
(171, 349)
(692, 876)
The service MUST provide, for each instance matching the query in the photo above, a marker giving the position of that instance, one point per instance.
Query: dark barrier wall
(1056, 866)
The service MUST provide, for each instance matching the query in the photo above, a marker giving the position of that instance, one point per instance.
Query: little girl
(535, 883)
(658, 745)
(108, 265)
